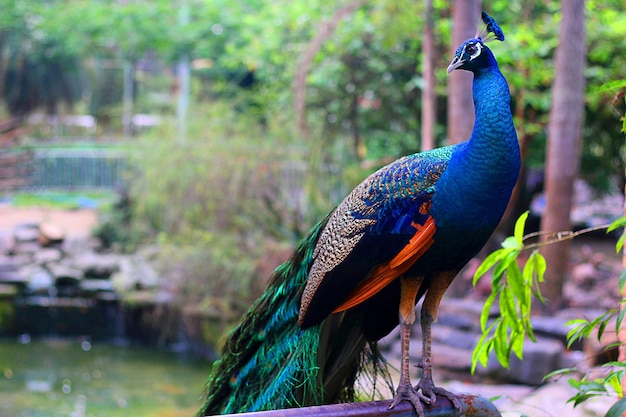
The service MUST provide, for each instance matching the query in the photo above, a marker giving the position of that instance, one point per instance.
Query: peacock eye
(473, 50)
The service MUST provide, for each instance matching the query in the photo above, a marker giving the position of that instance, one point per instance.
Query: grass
(65, 200)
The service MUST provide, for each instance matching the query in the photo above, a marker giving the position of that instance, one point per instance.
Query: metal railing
(70, 169)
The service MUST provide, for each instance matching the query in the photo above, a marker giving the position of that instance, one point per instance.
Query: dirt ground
(74, 223)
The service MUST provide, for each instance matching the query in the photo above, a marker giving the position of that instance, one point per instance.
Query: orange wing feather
(385, 273)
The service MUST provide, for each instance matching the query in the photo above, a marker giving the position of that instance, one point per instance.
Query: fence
(77, 169)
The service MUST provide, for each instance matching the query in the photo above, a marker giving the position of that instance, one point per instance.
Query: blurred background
(159, 158)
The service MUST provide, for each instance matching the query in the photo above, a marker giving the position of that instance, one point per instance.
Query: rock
(454, 337)
(50, 234)
(96, 285)
(584, 275)
(551, 400)
(452, 358)
(97, 266)
(540, 359)
(39, 280)
(552, 327)
(579, 297)
(461, 313)
(135, 272)
(26, 232)
(61, 271)
(10, 273)
(573, 359)
(8, 265)
(24, 248)
(580, 313)
(458, 321)
(47, 255)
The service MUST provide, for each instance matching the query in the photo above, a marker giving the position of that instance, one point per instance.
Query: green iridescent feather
(268, 362)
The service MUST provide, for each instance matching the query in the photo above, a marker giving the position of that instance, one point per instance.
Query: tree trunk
(564, 143)
(429, 102)
(325, 31)
(465, 15)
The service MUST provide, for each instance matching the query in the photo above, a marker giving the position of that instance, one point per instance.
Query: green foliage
(515, 289)
(618, 409)
(365, 79)
(215, 201)
(214, 271)
(231, 173)
(619, 246)
(512, 287)
(584, 328)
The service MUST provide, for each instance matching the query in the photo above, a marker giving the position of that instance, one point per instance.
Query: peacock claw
(415, 397)
(430, 391)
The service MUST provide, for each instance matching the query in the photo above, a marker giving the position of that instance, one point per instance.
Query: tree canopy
(364, 84)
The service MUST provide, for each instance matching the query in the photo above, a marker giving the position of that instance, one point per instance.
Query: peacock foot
(428, 390)
(406, 392)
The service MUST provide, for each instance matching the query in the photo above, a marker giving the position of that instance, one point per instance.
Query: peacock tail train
(269, 362)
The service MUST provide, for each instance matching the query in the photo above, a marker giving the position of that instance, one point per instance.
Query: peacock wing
(380, 229)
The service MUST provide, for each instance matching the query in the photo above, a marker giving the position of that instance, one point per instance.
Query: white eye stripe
(476, 53)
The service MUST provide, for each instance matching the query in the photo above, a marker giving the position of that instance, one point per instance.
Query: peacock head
(473, 54)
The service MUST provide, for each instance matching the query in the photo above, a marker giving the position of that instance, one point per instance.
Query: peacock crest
(491, 30)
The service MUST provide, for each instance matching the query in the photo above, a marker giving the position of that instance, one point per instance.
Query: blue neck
(493, 146)
(483, 171)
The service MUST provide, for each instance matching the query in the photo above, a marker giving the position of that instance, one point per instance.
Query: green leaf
(519, 228)
(507, 306)
(601, 327)
(622, 280)
(618, 409)
(529, 328)
(620, 242)
(558, 372)
(489, 261)
(484, 315)
(586, 390)
(511, 243)
(496, 397)
(620, 320)
(534, 269)
(611, 85)
(500, 344)
(511, 256)
(616, 224)
(517, 344)
(615, 364)
(614, 380)
(576, 332)
(540, 265)
(483, 347)
(516, 283)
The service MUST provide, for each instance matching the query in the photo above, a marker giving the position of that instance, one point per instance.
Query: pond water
(78, 378)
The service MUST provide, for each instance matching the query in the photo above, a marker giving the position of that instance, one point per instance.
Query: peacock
(401, 235)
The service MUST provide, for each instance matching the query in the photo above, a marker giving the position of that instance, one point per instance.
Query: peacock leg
(405, 391)
(430, 308)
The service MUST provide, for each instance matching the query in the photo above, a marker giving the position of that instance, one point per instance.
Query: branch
(559, 236)
(472, 406)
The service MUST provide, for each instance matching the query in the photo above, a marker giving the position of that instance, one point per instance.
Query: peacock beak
(456, 62)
